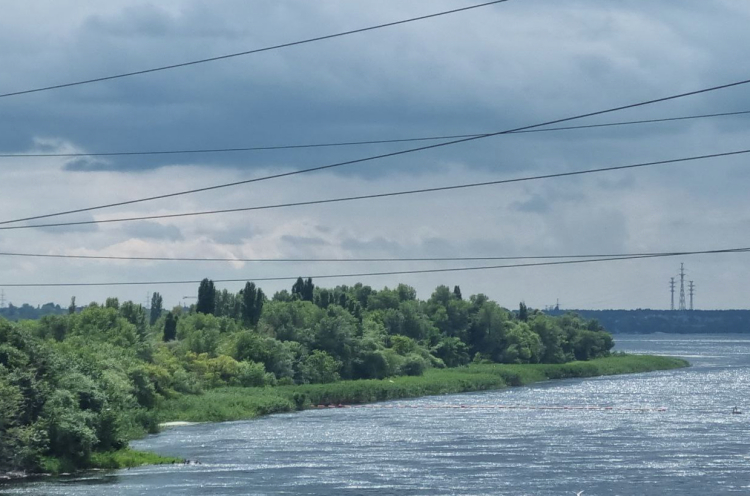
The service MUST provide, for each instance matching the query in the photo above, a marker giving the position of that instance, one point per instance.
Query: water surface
(696, 447)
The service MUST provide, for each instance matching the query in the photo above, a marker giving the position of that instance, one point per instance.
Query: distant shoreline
(646, 321)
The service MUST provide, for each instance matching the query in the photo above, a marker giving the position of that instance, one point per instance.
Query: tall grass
(124, 458)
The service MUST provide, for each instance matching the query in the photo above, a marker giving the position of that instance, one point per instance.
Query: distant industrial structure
(553, 308)
(691, 290)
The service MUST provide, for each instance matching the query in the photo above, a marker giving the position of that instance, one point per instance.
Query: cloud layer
(498, 68)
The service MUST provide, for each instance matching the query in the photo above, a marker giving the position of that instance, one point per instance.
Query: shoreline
(235, 404)
(232, 404)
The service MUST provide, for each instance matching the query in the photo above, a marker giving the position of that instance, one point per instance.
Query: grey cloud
(363, 90)
(74, 229)
(550, 196)
(303, 241)
(231, 237)
(520, 63)
(153, 230)
(144, 20)
(620, 183)
(536, 204)
(87, 164)
(378, 245)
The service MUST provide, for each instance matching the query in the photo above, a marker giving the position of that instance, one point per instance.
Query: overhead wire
(379, 195)
(381, 156)
(327, 260)
(374, 274)
(249, 52)
(356, 143)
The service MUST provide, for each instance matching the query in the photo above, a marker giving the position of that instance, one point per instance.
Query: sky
(500, 67)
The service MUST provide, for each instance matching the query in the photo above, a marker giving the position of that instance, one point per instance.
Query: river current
(466, 444)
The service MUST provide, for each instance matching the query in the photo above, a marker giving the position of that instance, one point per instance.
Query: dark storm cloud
(411, 83)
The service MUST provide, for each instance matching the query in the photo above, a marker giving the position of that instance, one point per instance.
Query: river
(695, 447)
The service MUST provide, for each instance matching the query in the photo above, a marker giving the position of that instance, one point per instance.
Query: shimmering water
(696, 447)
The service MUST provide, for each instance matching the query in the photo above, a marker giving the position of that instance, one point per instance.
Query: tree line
(645, 321)
(89, 380)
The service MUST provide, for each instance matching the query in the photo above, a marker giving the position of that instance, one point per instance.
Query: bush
(413, 365)
(251, 374)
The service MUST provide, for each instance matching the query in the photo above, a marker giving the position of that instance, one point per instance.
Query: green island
(76, 388)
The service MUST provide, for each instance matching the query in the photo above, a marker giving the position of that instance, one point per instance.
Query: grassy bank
(245, 403)
(124, 458)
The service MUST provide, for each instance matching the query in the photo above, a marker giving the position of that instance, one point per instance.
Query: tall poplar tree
(156, 308)
(206, 297)
(170, 327)
(249, 296)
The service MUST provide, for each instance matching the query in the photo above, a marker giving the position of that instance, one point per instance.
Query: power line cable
(355, 143)
(377, 157)
(379, 195)
(373, 274)
(249, 52)
(327, 260)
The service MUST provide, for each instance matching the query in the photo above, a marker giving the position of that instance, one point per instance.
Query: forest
(86, 382)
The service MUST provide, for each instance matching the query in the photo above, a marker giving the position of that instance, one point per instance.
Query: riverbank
(226, 404)
(110, 460)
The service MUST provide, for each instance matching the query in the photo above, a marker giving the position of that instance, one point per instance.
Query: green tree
(298, 289)
(452, 351)
(156, 308)
(206, 297)
(320, 367)
(136, 315)
(260, 301)
(523, 312)
(308, 290)
(252, 304)
(170, 327)
(72, 306)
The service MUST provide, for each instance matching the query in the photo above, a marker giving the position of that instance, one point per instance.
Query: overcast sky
(500, 67)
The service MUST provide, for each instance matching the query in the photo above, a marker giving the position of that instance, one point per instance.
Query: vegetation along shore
(77, 387)
(224, 404)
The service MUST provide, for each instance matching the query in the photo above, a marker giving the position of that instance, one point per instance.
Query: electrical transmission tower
(2, 298)
(671, 288)
(692, 292)
(682, 286)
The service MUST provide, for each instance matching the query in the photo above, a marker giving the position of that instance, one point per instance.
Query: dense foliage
(85, 382)
(230, 403)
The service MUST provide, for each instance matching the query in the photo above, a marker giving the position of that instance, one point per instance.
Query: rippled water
(696, 447)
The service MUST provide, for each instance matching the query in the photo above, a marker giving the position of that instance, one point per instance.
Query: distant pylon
(692, 292)
(2, 298)
(671, 289)
(682, 286)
